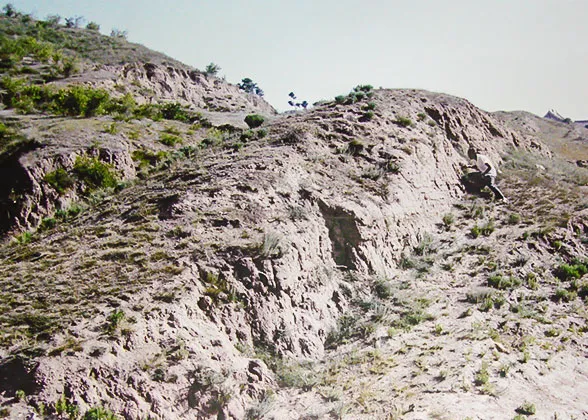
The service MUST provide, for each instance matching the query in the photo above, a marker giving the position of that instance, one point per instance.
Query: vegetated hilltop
(166, 261)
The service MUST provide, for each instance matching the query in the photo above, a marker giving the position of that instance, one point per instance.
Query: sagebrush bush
(354, 147)
(95, 173)
(174, 111)
(60, 180)
(254, 120)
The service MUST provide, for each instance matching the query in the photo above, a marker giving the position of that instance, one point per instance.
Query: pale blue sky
(499, 54)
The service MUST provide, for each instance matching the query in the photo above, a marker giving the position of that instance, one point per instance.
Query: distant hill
(556, 116)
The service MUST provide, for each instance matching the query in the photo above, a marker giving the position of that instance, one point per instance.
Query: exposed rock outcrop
(154, 83)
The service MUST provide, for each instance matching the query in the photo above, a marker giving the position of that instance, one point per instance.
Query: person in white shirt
(488, 171)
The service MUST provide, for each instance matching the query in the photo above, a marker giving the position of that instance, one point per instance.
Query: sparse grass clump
(514, 219)
(272, 246)
(382, 289)
(563, 295)
(392, 167)
(503, 283)
(485, 229)
(448, 220)
(113, 321)
(218, 288)
(482, 376)
(404, 121)
(353, 147)
(170, 139)
(527, 409)
(347, 327)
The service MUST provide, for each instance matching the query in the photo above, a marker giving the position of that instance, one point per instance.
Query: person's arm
(488, 169)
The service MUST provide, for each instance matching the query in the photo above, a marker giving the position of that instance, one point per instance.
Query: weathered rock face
(153, 83)
(269, 246)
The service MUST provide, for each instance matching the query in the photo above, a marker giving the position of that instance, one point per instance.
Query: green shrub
(174, 111)
(80, 101)
(482, 376)
(576, 270)
(93, 26)
(99, 413)
(363, 88)
(485, 230)
(514, 219)
(94, 173)
(170, 139)
(212, 69)
(67, 214)
(60, 180)
(354, 147)
(146, 158)
(254, 120)
(48, 223)
(214, 137)
(404, 121)
(113, 321)
(367, 116)
(340, 99)
(24, 238)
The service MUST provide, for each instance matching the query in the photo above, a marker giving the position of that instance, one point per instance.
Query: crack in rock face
(344, 234)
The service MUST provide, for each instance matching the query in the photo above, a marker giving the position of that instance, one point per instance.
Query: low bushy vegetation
(358, 94)
(60, 180)
(95, 173)
(254, 120)
(576, 270)
(404, 121)
(503, 283)
(84, 101)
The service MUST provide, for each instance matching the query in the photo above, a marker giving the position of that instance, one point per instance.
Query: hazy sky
(499, 54)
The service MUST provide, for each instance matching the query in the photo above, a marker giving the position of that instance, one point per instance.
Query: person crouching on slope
(488, 171)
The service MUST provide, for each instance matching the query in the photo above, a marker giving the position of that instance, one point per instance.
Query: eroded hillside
(165, 261)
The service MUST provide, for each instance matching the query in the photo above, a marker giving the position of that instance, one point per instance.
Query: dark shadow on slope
(344, 234)
(16, 375)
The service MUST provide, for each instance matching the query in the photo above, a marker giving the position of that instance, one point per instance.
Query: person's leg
(491, 183)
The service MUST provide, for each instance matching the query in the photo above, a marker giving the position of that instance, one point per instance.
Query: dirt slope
(161, 259)
(329, 266)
